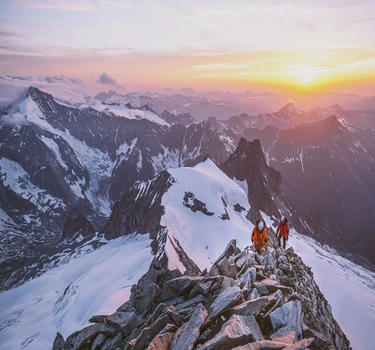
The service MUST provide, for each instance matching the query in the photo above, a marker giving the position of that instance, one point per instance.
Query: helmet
(261, 226)
(282, 219)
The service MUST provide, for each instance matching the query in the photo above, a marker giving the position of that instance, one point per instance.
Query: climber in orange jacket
(259, 237)
(282, 231)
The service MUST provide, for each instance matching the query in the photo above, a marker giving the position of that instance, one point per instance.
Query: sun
(306, 73)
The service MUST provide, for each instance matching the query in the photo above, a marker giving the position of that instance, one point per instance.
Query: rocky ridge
(245, 301)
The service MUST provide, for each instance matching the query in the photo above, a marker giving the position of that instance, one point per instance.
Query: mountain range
(224, 105)
(74, 179)
(186, 216)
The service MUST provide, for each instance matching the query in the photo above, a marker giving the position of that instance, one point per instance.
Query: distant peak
(147, 107)
(289, 108)
(337, 107)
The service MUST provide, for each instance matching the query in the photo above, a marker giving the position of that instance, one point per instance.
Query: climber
(282, 231)
(259, 237)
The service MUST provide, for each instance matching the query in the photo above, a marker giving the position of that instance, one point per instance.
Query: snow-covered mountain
(82, 189)
(200, 108)
(59, 161)
(289, 117)
(326, 167)
(202, 210)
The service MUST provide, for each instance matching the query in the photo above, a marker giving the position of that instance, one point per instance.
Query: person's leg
(284, 242)
(279, 240)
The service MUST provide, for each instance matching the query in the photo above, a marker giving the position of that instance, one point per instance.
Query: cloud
(65, 89)
(15, 118)
(106, 79)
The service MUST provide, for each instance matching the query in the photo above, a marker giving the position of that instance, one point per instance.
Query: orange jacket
(259, 237)
(283, 229)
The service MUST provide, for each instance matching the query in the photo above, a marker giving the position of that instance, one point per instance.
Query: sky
(268, 45)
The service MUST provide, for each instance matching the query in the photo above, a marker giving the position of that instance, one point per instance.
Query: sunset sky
(268, 45)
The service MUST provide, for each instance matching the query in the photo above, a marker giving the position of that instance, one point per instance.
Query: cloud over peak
(106, 79)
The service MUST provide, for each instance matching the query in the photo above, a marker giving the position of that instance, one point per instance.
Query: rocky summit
(246, 301)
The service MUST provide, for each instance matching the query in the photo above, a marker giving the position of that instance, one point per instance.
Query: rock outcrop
(245, 301)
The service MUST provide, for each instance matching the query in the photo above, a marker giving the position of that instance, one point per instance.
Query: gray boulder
(126, 321)
(238, 330)
(179, 286)
(286, 321)
(228, 298)
(77, 339)
(189, 333)
(251, 307)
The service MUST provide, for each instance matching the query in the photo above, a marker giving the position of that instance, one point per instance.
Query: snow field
(65, 298)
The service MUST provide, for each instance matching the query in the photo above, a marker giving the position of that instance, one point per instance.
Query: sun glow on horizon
(306, 74)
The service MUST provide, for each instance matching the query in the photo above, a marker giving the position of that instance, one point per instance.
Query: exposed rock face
(139, 209)
(268, 192)
(183, 118)
(327, 169)
(77, 226)
(272, 302)
(247, 163)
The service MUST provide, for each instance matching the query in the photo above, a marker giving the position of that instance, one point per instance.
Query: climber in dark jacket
(282, 231)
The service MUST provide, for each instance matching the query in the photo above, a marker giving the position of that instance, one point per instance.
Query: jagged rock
(254, 294)
(262, 345)
(191, 303)
(238, 318)
(252, 307)
(229, 297)
(214, 271)
(126, 321)
(319, 339)
(161, 309)
(261, 288)
(285, 267)
(59, 342)
(77, 339)
(111, 342)
(77, 226)
(230, 250)
(99, 342)
(98, 319)
(200, 288)
(286, 320)
(248, 278)
(176, 318)
(285, 290)
(302, 344)
(146, 297)
(226, 282)
(226, 268)
(188, 334)
(238, 330)
(161, 341)
(179, 286)
(149, 332)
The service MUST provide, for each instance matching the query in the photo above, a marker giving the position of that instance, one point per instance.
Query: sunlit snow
(205, 237)
(65, 298)
(349, 289)
(123, 111)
